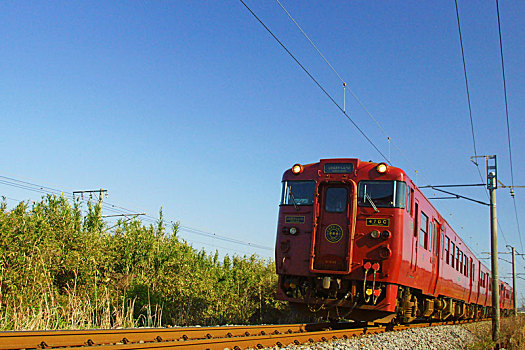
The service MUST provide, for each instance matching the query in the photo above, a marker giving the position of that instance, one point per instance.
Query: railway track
(213, 338)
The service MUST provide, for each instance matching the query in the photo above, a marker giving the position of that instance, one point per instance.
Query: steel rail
(50, 339)
(212, 338)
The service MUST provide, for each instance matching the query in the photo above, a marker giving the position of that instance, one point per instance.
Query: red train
(359, 240)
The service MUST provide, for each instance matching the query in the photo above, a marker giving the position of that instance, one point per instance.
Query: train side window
(460, 253)
(457, 258)
(465, 269)
(408, 200)
(452, 254)
(447, 247)
(423, 240)
(436, 238)
(411, 200)
(400, 194)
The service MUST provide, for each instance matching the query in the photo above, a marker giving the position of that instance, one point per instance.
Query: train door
(435, 247)
(415, 234)
(333, 236)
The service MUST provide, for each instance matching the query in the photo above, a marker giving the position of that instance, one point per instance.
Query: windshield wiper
(293, 199)
(365, 197)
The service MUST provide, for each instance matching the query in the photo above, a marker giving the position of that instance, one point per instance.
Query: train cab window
(298, 193)
(446, 246)
(381, 194)
(335, 201)
(423, 239)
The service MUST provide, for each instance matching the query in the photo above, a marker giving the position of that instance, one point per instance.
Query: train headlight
(293, 230)
(297, 169)
(375, 234)
(381, 168)
(385, 234)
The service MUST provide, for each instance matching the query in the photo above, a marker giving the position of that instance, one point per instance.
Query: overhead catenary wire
(470, 107)
(316, 82)
(468, 93)
(346, 86)
(508, 123)
(13, 182)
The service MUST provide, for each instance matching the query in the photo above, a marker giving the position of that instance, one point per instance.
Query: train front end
(339, 231)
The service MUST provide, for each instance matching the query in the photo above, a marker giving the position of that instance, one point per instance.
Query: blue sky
(194, 107)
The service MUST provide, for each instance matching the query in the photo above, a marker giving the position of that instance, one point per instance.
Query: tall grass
(60, 269)
(512, 334)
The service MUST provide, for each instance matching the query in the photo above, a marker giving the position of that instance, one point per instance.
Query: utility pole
(100, 192)
(492, 185)
(514, 283)
(513, 279)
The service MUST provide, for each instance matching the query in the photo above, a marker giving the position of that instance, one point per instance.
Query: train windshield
(298, 193)
(381, 194)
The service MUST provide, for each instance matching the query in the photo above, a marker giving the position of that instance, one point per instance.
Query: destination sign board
(338, 168)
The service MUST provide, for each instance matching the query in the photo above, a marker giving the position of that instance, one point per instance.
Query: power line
(470, 108)
(508, 123)
(345, 85)
(316, 82)
(332, 99)
(121, 210)
(505, 94)
(468, 92)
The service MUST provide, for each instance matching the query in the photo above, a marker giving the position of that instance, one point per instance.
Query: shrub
(60, 269)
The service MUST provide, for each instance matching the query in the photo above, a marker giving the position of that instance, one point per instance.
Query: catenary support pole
(514, 282)
(491, 184)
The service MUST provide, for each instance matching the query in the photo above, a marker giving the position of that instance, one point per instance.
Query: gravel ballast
(449, 337)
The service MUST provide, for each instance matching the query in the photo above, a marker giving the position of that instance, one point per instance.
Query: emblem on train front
(333, 233)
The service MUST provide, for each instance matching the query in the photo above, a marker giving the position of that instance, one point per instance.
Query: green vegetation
(60, 269)
(512, 330)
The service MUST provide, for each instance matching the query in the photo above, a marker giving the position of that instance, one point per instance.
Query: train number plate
(377, 222)
(294, 219)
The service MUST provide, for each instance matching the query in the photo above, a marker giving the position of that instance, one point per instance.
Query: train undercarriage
(335, 298)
